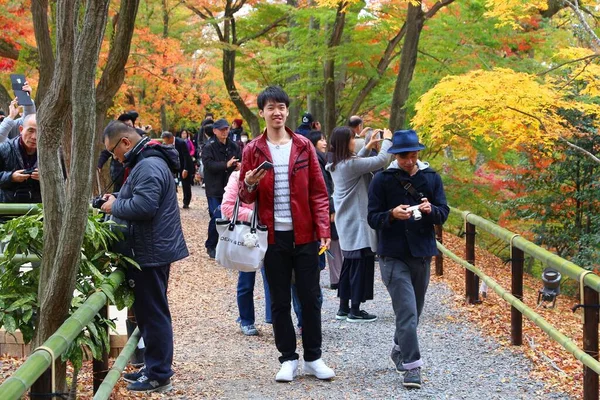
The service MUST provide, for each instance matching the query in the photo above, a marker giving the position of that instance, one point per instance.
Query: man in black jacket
(220, 158)
(186, 172)
(147, 208)
(19, 176)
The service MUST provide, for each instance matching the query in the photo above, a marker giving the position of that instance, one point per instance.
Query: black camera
(97, 202)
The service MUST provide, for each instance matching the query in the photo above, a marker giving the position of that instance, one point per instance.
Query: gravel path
(214, 360)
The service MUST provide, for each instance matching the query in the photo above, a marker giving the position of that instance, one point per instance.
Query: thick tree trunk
(329, 93)
(39, 11)
(408, 60)
(229, 78)
(78, 43)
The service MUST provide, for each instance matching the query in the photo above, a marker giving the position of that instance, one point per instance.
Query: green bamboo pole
(537, 319)
(17, 208)
(39, 361)
(109, 382)
(566, 268)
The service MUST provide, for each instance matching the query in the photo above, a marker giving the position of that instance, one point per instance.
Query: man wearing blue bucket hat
(405, 202)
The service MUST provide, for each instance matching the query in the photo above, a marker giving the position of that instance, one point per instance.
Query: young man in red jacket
(294, 205)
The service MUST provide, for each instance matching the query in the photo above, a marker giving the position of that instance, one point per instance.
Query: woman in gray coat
(351, 177)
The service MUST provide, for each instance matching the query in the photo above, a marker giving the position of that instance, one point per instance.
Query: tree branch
(266, 29)
(8, 50)
(579, 149)
(595, 40)
(568, 62)
(438, 60)
(207, 17)
(561, 138)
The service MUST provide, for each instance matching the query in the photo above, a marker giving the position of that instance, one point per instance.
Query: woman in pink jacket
(245, 287)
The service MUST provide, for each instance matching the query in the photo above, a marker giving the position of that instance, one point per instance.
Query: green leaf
(19, 303)
(33, 232)
(93, 330)
(9, 323)
(27, 316)
(132, 262)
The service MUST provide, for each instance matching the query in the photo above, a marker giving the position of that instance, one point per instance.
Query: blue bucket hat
(405, 141)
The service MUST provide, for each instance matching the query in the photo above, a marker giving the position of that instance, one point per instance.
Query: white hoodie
(421, 164)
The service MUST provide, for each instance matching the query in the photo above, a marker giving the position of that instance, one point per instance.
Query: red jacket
(308, 194)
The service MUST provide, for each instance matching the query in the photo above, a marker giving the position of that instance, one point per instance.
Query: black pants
(187, 188)
(153, 317)
(281, 258)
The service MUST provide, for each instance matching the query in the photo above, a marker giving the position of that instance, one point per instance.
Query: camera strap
(409, 188)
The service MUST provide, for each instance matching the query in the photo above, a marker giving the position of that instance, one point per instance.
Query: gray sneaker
(249, 330)
(412, 378)
(396, 357)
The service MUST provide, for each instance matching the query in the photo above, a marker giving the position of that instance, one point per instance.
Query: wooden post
(471, 283)
(590, 342)
(100, 367)
(516, 318)
(41, 389)
(439, 259)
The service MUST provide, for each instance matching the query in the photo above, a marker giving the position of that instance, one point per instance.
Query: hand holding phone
(18, 81)
(265, 166)
(28, 171)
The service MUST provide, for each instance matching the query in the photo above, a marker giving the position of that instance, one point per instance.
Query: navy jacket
(11, 160)
(147, 206)
(399, 238)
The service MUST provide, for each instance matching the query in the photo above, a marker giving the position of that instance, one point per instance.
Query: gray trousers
(406, 281)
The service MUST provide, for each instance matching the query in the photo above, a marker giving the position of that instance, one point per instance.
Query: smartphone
(18, 81)
(265, 165)
(28, 171)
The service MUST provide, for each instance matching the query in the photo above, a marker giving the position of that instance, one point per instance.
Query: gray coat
(147, 206)
(351, 180)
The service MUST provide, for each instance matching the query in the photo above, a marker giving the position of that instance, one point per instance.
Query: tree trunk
(408, 60)
(229, 78)
(387, 57)
(39, 11)
(329, 95)
(72, 90)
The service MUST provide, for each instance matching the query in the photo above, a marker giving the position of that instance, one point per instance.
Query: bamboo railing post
(100, 367)
(516, 318)
(439, 259)
(471, 280)
(590, 342)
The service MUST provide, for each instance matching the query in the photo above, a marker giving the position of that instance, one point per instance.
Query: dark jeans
(153, 317)
(214, 212)
(245, 297)
(281, 258)
(187, 188)
(406, 281)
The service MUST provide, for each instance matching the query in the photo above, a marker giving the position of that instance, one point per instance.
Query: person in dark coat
(146, 209)
(186, 171)
(406, 241)
(220, 158)
(19, 176)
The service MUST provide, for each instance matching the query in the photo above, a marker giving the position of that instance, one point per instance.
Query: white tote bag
(242, 245)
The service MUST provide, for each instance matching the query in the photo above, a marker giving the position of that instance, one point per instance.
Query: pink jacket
(229, 198)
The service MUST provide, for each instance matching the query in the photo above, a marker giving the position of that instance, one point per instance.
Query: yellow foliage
(511, 12)
(584, 69)
(499, 109)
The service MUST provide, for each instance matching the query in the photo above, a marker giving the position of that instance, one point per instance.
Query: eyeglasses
(111, 151)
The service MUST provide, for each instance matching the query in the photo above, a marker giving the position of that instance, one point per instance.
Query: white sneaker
(288, 371)
(318, 369)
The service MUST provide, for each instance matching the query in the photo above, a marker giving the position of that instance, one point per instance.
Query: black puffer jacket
(214, 158)
(10, 161)
(147, 207)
